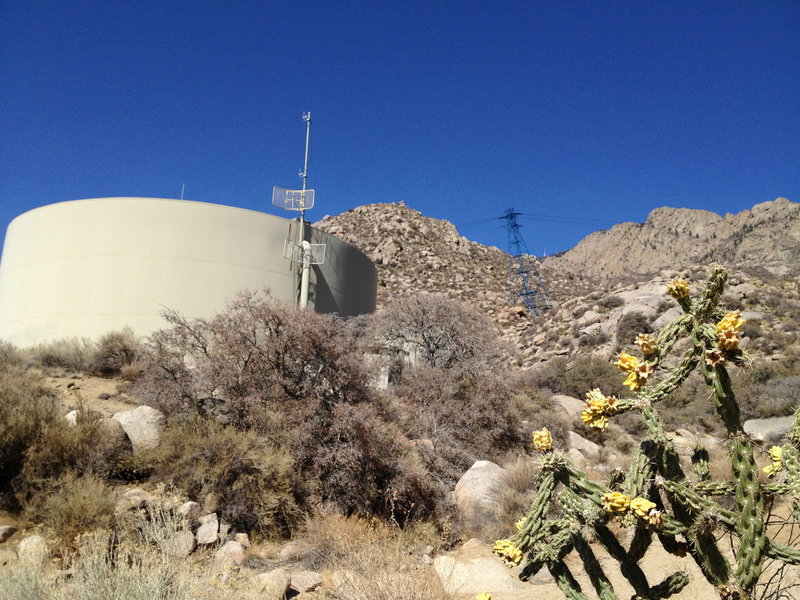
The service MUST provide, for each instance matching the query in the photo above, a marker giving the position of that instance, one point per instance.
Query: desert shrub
(135, 563)
(466, 416)
(256, 353)
(254, 482)
(74, 505)
(435, 331)
(293, 379)
(610, 302)
(26, 411)
(381, 561)
(631, 325)
(513, 497)
(72, 354)
(356, 463)
(114, 351)
(776, 397)
(574, 376)
(87, 448)
(10, 356)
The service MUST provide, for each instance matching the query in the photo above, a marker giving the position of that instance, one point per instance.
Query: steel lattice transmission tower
(524, 279)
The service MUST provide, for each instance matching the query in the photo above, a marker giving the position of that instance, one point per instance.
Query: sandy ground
(104, 396)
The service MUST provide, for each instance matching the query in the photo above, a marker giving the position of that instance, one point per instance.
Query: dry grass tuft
(365, 559)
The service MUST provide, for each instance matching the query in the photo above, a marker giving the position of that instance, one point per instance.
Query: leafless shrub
(297, 380)
(434, 331)
(256, 353)
(465, 416)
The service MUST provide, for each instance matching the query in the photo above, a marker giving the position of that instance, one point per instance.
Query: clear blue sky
(589, 109)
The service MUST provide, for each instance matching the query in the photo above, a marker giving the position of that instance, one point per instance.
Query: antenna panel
(293, 251)
(292, 199)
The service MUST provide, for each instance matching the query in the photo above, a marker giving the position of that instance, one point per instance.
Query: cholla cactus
(655, 497)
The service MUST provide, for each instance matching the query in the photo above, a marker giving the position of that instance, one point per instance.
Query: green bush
(574, 376)
(114, 351)
(87, 448)
(27, 410)
(630, 326)
(73, 506)
(610, 302)
(253, 481)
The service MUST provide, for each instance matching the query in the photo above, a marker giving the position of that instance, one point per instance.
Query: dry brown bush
(437, 332)
(297, 380)
(256, 353)
(73, 506)
(466, 416)
(370, 559)
(71, 354)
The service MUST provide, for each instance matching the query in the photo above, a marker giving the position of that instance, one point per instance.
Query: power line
(541, 217)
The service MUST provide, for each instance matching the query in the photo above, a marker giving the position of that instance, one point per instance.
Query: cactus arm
(566, 581)
(782, 552)
(545, 484)
(640, 474)
(674, 378)
(715, 283)
(749, 499)
(670, 586)
(700, 463)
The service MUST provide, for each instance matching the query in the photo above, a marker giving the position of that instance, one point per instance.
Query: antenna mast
(304, 173)
(299, 251)
(524, 279)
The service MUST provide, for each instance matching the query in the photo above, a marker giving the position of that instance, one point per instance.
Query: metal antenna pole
(524, 280)
(305, 247)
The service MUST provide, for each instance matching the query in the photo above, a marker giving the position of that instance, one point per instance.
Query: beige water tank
(87, 267)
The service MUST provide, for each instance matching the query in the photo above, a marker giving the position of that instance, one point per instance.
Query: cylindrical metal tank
(87, 267)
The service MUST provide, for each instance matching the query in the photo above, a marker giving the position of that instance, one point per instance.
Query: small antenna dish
(292, 199)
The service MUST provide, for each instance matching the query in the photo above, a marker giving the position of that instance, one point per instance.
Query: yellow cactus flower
(615, 502)
(598, 407)
(506, 550)
(638, 372)
(678, 289)
(647, 344)
(776, 454)
(728, 330)
(543, 440)
(483, 596)
(641, 507)
(627, 363)
(520, 524)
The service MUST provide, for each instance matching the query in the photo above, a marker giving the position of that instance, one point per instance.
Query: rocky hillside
(607, 275)
(763, 241)
(417, 253)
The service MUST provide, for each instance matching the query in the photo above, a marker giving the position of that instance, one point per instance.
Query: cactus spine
(655, 496)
